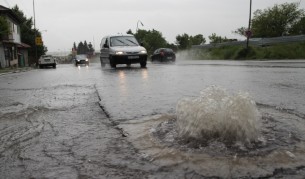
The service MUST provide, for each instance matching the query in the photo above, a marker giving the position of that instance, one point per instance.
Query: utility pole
(36, 59)
(248, 32)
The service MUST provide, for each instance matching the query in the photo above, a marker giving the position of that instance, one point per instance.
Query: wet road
(89, 122)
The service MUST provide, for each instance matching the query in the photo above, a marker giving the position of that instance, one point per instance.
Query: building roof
(8, 12)
(19, 45)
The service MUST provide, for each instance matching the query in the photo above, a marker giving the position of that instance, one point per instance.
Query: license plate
(46, 60)
(133, 57)
(169, 58)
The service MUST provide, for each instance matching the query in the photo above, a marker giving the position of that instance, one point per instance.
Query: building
(13, 52)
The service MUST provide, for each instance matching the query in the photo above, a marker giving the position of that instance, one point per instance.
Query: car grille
(131, 53)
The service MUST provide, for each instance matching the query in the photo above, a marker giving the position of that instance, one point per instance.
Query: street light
(249, 33)
(138, 25)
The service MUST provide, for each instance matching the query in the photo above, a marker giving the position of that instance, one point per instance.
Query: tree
(129, 32)
(74, 46)
(4, 26)
(241, 31)
(276, 21)
(298, 28)
(91, 49)
(86, 48)
(197, 39)
(215, 38)
(80, 48)
(183, 41)
(151, 39)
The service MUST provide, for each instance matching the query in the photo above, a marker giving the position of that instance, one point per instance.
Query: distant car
(81, 59)
(163, 55)
(122, 49)
(47, 60)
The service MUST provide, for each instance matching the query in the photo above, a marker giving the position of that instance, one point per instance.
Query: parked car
(122, 49)
(163, 55)
(81, 59)
(47, 60)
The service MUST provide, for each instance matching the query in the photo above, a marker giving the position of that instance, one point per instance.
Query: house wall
(15, 31)
(2, 57)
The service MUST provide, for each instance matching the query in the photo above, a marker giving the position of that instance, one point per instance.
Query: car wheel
(143, 64)
(40, 66)
(112, 63)
(54, 66)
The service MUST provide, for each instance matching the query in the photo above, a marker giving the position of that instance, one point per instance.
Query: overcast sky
(68, 21)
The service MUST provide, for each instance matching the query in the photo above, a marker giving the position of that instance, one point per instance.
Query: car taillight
(162, 53)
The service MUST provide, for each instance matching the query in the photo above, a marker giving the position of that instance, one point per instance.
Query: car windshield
(168, 50)
(81, 56)
(123, 41)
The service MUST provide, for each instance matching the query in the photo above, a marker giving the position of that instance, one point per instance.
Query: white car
(122, 49)
(47, 60)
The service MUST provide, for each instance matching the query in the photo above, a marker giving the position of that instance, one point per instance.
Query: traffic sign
(38, 41)
(248, 33)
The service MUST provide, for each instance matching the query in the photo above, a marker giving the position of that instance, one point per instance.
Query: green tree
(4, 26)
(129, 32)
(276, 21)
(80, 48)
(86, 48)
(197, 39)
(151, 39)
(215, 38)
(241, 31)
(298, 28)
(183, 41)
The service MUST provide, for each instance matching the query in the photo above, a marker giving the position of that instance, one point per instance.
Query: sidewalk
(4, 71)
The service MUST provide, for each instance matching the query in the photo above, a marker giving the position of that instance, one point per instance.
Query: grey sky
(68, 21)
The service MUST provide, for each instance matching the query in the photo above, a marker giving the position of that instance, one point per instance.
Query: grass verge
(279, 51)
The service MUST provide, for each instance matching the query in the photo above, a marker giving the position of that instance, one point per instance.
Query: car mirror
(142, 44)
(105, 46)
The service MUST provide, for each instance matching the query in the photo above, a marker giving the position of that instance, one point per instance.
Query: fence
(257, 41)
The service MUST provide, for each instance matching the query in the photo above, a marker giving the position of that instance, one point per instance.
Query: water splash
(217, 115)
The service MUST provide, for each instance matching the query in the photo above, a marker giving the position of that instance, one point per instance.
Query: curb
(16, 71)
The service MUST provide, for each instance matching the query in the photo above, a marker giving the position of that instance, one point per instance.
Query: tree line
(83, 48)
(280, 20)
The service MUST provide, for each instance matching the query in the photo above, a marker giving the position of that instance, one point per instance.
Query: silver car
(47, 60)
(122, 49)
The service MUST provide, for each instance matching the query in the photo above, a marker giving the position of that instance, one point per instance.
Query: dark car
(163, 55)
(81, 59)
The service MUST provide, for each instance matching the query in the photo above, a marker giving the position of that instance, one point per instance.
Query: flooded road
(89, 122)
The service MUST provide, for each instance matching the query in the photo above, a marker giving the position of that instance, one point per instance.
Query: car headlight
(119, 53)
(143, 52)
(78, 60)
(86, 59)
